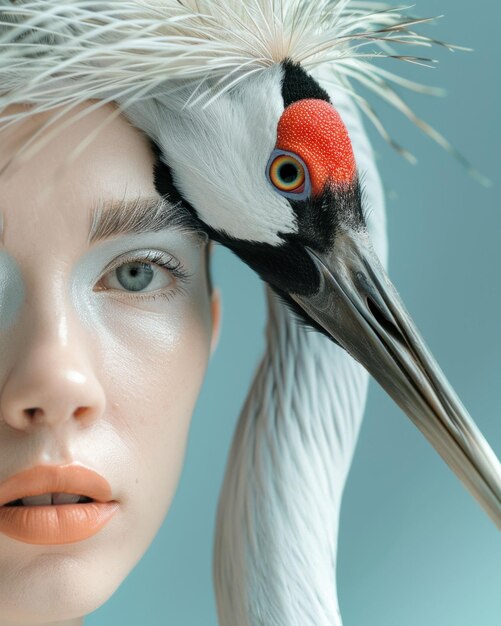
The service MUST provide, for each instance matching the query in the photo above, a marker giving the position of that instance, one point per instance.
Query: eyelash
(174, 266)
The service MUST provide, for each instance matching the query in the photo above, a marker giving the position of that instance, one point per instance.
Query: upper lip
(41, 479)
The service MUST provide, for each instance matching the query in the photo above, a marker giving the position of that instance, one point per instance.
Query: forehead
(51, 187)
(102, 135)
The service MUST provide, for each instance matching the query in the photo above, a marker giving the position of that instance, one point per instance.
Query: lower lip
(55, 523)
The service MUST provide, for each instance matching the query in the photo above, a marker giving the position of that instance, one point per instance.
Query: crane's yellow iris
(287, 173)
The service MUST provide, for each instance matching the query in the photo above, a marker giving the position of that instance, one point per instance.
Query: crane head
(268, 170)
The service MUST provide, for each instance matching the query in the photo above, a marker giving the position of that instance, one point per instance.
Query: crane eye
(289, 175)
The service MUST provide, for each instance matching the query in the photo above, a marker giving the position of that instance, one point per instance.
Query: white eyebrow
(143, 214)
(139, 215)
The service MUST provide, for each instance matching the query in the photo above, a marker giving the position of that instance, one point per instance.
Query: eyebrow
(109, 218)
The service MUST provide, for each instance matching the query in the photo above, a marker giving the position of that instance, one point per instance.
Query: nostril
(35, 395)
(82, 410)
(382, 319)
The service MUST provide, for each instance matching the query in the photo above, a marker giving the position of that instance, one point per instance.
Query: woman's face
(103, 352)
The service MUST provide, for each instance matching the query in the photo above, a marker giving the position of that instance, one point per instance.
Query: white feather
(69, 51)
(221, 151)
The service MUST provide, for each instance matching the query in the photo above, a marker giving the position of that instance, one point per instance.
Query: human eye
(144, 275)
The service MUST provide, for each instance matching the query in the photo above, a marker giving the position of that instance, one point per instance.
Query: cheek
(153, 369)
(155, 385)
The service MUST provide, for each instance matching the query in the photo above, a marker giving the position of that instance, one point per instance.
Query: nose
(53, 379)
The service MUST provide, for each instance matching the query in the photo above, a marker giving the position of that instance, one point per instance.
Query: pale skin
(116, 378)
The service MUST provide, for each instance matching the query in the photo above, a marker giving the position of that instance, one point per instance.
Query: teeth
(45, 498)
(50, 498)
(64, 498)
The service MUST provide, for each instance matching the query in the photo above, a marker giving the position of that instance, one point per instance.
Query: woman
(292, 580)
(105, 343)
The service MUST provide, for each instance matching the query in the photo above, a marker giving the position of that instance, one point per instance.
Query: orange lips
(60, 523)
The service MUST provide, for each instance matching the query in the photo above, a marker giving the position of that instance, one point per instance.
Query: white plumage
(242, 125)
(71, 51)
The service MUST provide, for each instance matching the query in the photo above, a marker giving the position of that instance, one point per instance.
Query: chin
(56, 586)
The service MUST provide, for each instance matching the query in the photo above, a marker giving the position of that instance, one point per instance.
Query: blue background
(415, 548)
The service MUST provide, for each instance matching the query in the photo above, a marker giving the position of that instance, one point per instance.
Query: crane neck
(276, 537)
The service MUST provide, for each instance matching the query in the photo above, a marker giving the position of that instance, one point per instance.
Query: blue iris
(135, 276)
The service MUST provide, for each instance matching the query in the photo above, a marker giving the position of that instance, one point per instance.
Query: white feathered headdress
(192, 74)
(67, 52)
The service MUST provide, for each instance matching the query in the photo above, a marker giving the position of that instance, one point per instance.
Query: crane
(250, 109)
(290, 458)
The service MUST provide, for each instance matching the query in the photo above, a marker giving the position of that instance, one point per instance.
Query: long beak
(359, 307)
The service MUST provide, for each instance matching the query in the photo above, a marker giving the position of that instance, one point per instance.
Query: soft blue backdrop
(415, 548)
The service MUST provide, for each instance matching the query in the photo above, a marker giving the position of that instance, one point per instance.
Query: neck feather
(277, 523)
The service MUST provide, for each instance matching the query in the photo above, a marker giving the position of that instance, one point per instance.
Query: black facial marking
(298, 85)
(284, 268)
(164, 184)
(320, 218)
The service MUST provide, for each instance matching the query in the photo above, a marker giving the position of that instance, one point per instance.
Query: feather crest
(63, 52)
